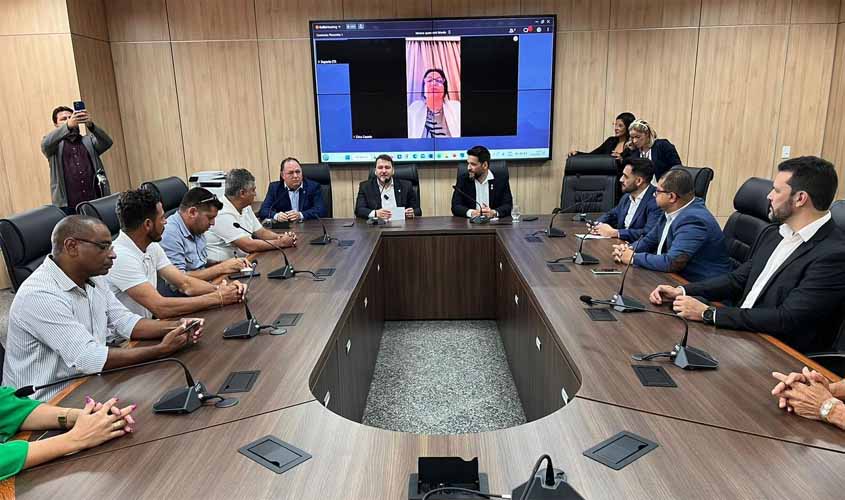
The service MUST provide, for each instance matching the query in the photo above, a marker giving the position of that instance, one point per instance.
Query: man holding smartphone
(76, 171)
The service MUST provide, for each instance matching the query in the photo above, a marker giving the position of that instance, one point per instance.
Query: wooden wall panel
(137, 20)
(213, 20)
(95, 73)
(5, 200)
(814, 11)
(834, 138)
(384, 9)
(28, 17)
(444, 179)
(289, 18)
(288, 101)
(572, 14)
(806, 87)
(453, 8)
(662, 97)
(732, 12)
(149, 109)
(413, 8)
(343, 193)
(41, 76)
(88, 18)
(738, 86)
(427, 189)
(654, 13)
(219, 89)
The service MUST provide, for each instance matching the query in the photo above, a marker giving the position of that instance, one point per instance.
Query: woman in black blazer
(615, 144)
(645, 144)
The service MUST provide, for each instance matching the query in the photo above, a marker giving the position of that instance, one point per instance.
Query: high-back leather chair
(751, 217)
(701, 179)
(837, 211)
(498, 167)
(25, 240)
(407, 172)
(104, 209)
(321, 173)
(170, 191)
(589, 184)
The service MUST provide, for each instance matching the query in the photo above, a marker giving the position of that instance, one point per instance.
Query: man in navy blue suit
(637, 212)
(293, 199)
(687, 241)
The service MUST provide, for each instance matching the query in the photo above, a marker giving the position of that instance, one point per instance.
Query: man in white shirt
(479, 192)
(141, 260)
(793, 284)
(382, 192)
(224, 239)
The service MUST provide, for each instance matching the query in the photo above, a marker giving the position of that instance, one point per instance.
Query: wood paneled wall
(729, 82)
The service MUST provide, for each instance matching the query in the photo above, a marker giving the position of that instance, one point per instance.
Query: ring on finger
(119, 424)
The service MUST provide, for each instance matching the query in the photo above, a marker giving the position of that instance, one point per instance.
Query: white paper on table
(397, 214)
(592, 236)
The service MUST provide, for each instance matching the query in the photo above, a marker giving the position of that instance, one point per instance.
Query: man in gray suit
(76, 171)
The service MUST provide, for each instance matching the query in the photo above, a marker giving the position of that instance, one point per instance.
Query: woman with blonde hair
(643, 143)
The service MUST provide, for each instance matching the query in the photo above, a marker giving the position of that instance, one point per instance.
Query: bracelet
(62, 419)
(220, 297)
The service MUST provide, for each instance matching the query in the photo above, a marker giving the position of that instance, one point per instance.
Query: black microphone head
(25, 392)
(587, 299)
(556, 211)
(237, 225)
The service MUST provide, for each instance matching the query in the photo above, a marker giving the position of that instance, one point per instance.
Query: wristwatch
(827, 407)
(709, 316)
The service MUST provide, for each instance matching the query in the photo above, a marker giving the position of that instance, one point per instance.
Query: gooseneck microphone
(684, 356)
(249, 327)
(622, 302)
(478, 219)
(179, 401)
(325, 239)
(286, 271)
(553, 232)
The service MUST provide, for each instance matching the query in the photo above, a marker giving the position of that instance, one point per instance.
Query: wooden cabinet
(327, 388)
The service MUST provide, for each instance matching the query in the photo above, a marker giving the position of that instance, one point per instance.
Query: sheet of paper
(592, 236)
(397, 214)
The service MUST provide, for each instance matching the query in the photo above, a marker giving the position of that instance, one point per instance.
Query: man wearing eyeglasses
(376, 196)
(294, 198)
(63, 313)
(183, 240)
(688, 239)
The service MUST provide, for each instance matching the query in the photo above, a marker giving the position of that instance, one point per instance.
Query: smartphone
(605, 270)
(193, 325)
(78, 106)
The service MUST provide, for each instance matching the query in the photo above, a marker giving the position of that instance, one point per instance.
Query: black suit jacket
(369, 197)
(664, 155)
(802, 302)
(500, 196)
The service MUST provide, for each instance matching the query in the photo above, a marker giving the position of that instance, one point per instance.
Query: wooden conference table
(720, 433)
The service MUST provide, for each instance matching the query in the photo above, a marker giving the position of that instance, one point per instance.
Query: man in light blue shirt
(184, 242)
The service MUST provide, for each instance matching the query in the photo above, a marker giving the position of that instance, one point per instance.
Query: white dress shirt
(669, 219)
(632, 208)
(388, 197)
(293, 195)
(221, 235)
(790, 242)
(482, 192)
(132, 267)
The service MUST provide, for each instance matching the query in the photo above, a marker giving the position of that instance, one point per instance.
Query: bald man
(63, 313)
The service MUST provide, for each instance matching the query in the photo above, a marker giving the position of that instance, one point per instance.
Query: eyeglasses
(439, 81)
(660, 191)
(101, 245)
(211, 198)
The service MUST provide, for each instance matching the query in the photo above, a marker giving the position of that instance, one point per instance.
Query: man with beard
(637, 212)
(63, 313)
(493, 196)
(140, 260)
(793, 285)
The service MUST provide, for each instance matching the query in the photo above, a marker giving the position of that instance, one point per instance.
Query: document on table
(397, 214)
(592, 236)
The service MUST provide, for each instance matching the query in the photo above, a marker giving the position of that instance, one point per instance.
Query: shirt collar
(488, 178)
(228, 207)
(671, 217)
(125, 243)
(293, 190)
(63, 280)
(177, 220)
(806, 232)
(640, 197)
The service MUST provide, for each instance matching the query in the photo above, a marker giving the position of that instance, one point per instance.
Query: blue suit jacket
(695, 246)
(310, 201)
(648, 214)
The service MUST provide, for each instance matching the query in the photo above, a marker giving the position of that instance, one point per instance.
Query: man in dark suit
(637, 212)
(293, 199)
(687, 240)
(494, 195)
(793, 286)
(378, 195)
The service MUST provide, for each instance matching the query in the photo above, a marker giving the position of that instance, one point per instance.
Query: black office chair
(701, 178)
(104, 209)
(407, 172)
(25, 240)
(321, 173)
(750, 219)
(589, 184)
(837, 211)
(498, 167)
(170, 190)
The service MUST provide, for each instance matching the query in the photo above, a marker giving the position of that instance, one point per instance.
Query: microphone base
(623, 302)
(540, 490)
(321, 240)
(181, 401)
(479, 219)
(555, 233)
(282, 273)
(690, 358)
(584, 259)
(245, 329)
(582, 217)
